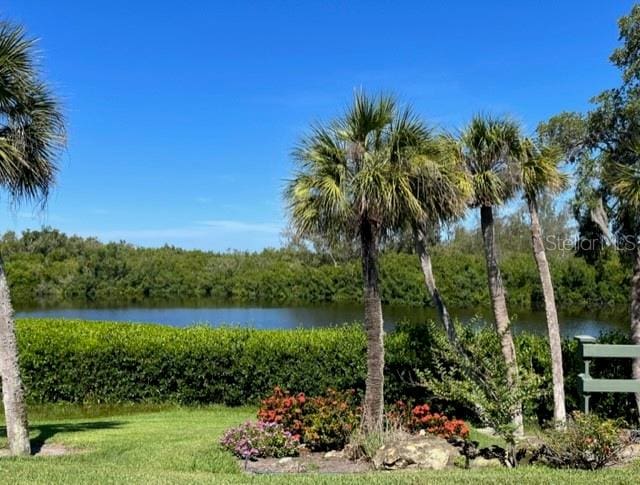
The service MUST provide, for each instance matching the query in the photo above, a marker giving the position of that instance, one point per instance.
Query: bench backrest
(590, 350)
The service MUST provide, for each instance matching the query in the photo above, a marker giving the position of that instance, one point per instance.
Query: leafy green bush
(330, 420)
(473, 372)
(588, 443)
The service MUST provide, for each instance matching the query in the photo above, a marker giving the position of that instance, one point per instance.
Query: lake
(271, 317)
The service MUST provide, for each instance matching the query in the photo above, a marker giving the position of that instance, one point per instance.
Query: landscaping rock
(481, 462)
(425, 452)
(290, 465)
(488, 431)
(333, 454)
(630, 453)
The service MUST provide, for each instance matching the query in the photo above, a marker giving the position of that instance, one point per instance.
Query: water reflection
(270, 317)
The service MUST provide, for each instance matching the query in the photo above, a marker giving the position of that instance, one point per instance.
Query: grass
(170, 444)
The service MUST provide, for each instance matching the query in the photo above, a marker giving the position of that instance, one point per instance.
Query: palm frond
(540, 169)
(32, 127)
(491, 150)
(376, 163)
(624, 183)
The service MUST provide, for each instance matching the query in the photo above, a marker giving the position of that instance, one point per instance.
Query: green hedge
(77, 361)
(67, 360)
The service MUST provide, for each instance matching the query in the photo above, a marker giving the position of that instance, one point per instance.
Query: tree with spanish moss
(614, 137)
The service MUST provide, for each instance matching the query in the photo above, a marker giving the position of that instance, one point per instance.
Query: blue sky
(182, 116)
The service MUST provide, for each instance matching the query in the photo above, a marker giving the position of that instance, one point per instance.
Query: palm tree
(621, 179)
(540, 174)
(31, 135)
(444, 199)
(356, 178)
(491, 150)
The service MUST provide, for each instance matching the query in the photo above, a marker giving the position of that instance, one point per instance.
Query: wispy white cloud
(38, 216)
(161, 236)
(209, 234)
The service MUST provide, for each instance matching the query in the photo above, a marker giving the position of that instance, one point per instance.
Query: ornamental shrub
(253, 440)
(421, 418)
(322, 423)
(436, 423)
(284, 409)
(588, 443)
(330, 420)
(470, 373)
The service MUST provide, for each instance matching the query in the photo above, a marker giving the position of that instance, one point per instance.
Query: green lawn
(166, 444)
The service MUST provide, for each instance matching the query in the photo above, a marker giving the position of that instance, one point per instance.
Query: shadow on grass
(47, 431)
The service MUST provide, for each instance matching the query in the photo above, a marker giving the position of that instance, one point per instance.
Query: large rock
(425, 452)
(481, 462)
(630, 453)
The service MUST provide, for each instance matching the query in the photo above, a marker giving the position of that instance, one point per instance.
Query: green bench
(590, 350)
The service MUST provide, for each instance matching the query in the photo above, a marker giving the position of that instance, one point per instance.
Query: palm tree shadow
(47, 431)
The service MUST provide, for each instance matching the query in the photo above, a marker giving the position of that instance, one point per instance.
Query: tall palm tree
(491, 150)
(621, 179)
(443, 200)
(540, 173)
(355, 177)
(31, 135)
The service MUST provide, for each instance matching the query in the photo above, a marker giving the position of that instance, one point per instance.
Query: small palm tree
(491, 150)
(31, 135)
(356, 178)
(444, 198)
(540, 174)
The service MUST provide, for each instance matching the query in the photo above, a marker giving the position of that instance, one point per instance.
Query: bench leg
(585, 403)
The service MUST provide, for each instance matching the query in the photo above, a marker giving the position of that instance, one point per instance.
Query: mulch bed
(306, 463)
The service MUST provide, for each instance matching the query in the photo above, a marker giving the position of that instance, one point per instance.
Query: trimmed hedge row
(76, 361)
(79, 361)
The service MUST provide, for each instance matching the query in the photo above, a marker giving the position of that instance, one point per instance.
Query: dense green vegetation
(178, 445)
(90, 362)
(50, 266)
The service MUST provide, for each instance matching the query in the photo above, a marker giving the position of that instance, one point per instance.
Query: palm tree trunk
(635, 319)
(499, 305)
(422, 248)
(374, 392)
(15, 410)
(553, 327)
